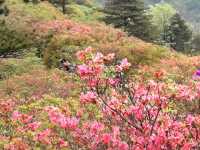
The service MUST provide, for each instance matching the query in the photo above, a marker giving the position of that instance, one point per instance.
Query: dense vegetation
(70, 81)
(189, 9)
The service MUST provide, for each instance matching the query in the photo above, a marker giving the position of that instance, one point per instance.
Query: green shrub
(75, 11)
(12, 40)
(52, 53)
(62, 46)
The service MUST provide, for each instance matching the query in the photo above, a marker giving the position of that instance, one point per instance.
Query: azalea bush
(114, 111)
(136, 115)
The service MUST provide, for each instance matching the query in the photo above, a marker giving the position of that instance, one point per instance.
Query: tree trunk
(63, 6)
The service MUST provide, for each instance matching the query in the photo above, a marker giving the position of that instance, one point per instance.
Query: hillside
(70, 36)
(43, 106)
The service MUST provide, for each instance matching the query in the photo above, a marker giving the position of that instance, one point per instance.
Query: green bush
(52, 53)
(12, 40)
(74, 11)
(61, 46)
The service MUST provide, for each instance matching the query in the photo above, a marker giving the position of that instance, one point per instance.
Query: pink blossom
(187, 146)
(59, 119)
(24, 118)
(106, 138)
(96, 127)
(98, 58)
(113, 82)
(89, 97)
(81, 55)
(190, 119)
(84, 70)
(62, 143)
(123, 146)
(124, 65)
(44, 136)
(88, 50)
(34, 126)
(16, 115)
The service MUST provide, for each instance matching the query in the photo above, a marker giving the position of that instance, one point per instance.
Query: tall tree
(63, 4)
(60, 3)
(129, 15)
(179, 33)
(161, 14)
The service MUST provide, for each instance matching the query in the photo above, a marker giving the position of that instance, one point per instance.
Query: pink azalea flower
(16, 115)
(98, 58)
(81, 55)
(187, 146)
(124, 65)
(34, 126)
(123, 146)
(106, 138)
(190, 119)
(89, 97)
(62, 143)
(84, 70)
(64, 122)
(113, 82)
(43, 136)
(88, 50)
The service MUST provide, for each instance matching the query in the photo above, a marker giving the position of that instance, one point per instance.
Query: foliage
(12, 40)
(146, 101)
(161, 14)
(16, 32)
(117, 111)
(129, 15)
(84, 13)
(179, 33)
(196, 43)
(71, 36)
(188, 9)
(41, 11)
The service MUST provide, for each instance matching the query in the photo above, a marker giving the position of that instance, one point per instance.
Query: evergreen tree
(60, 3)
(129, 15)
(179, 33)
(161, 14)
(196, 42)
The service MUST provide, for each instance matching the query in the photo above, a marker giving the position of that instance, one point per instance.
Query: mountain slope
(70, 36)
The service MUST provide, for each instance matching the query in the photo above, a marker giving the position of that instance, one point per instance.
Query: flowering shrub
(61, 26)
(139, 111)
(114, 112)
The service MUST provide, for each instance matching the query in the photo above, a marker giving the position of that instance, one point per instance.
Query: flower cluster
(114, 112)
(61, 26)
(141, 109)
(61, 120)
